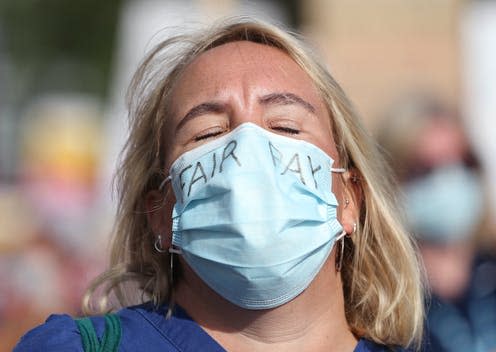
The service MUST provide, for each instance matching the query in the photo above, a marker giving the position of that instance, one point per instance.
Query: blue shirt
(468, 323)
(143, 329)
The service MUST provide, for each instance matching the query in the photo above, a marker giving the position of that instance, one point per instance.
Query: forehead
(247, 67)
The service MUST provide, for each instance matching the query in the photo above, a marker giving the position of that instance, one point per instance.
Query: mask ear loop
(338, 170)
(339, 261)
(164, 182)
(341, 238)
(171, 251)
(342, 235)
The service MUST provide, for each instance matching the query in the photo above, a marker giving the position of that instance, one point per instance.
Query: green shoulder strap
(110, 339)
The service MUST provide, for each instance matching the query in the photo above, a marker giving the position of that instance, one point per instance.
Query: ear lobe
(350, 212)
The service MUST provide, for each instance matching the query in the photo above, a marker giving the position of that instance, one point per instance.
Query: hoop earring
(158, 245)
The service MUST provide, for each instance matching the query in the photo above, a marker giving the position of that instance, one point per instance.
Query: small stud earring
(346, 202)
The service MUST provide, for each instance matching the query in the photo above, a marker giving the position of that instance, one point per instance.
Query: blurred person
(18, 229)
(36, 279)
(445, 207)
(254, 212)
(48, 240)
(60, 149)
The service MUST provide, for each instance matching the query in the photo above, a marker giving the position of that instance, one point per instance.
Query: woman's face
(243, 82)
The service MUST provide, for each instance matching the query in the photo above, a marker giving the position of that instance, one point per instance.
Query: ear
(158, 212)
(353, 195)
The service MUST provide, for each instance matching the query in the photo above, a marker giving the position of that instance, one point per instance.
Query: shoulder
(58, 333)
(142, 327)
(365, 345)
(61, 332)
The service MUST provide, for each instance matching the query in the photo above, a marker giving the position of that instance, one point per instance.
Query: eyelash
(207, 135)
(286, 130)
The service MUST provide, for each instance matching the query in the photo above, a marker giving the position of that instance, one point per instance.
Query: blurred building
(379, 48)
(478, 56)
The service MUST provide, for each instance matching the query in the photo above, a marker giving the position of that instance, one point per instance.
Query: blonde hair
(382, 280)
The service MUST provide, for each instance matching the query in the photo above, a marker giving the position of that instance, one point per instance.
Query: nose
(246, 111)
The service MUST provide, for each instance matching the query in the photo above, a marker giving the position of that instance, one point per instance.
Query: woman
(254, 212)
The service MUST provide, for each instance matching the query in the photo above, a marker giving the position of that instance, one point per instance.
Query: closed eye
(208, 135)
(287, 130)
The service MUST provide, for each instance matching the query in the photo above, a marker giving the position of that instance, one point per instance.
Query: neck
(313, 321)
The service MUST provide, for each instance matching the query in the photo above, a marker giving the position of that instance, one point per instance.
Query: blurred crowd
(447, 210)
(51, 242)
(58, 148)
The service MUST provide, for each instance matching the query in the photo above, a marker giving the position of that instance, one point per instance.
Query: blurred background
(64, 70)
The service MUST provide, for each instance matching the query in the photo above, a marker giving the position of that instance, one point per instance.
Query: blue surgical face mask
(446, 205)
(255, 217)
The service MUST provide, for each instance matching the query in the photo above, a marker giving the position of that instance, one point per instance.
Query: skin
(236, 78)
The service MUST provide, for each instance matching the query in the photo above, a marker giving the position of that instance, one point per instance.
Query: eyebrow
(269, 99)
(286, 99)
(201, 109)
